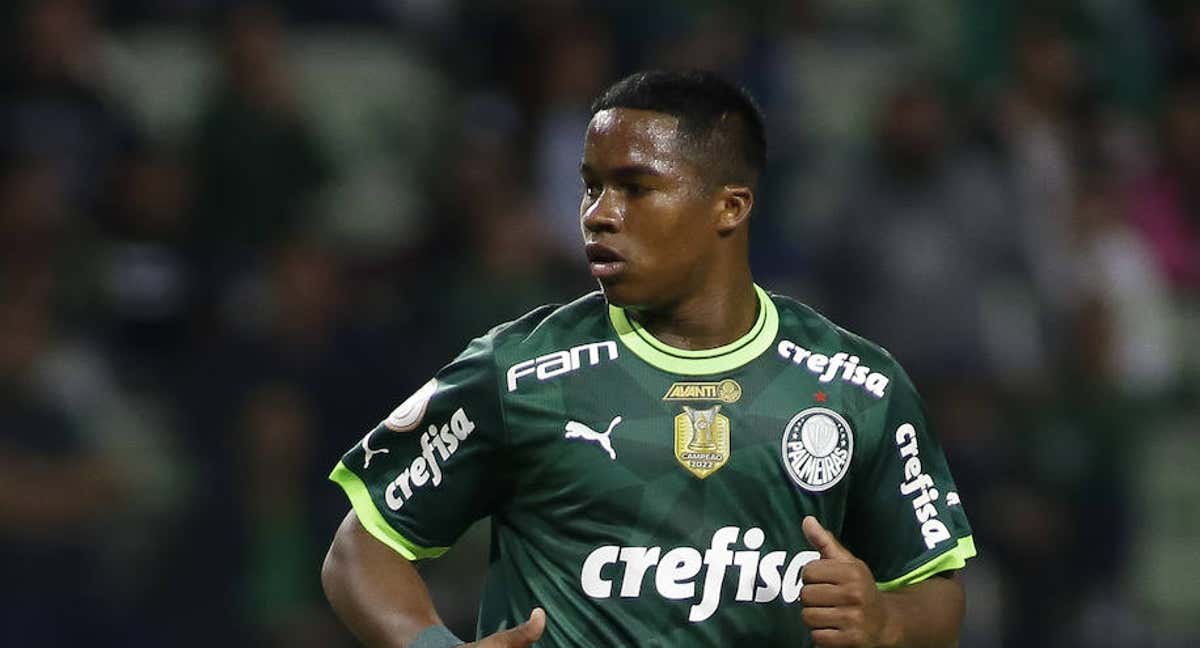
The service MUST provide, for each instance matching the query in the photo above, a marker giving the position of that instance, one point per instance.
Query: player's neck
(717, 316)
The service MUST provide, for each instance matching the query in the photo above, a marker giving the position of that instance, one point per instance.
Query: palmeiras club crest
(816, 448)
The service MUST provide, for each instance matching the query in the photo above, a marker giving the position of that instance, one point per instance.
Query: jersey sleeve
(429, 470)
(905, 519)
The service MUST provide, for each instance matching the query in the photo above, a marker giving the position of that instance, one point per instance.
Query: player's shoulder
(550, 325)
(543, 330)
(812, 332)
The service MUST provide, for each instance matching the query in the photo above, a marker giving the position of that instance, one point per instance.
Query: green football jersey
(646, 495)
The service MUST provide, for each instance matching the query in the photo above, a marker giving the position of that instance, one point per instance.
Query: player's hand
(518, 637)
(842, 607)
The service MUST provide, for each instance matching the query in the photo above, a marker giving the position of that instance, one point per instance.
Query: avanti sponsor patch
(726, 391)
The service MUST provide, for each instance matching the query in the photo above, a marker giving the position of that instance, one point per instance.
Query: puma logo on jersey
(368, 452)
(576, 430)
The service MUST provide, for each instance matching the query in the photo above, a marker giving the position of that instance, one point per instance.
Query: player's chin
(619, 291)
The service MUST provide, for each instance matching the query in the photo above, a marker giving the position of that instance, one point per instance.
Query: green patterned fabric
(653, 497)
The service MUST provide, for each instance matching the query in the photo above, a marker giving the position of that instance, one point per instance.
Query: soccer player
(680, 459)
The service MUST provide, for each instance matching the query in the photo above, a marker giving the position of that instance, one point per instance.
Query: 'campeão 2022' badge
(702, 433)
(702, 440)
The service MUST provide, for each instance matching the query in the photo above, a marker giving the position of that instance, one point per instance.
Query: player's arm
(908, 531)
(375, 591)
(929, 613)
(415, 483)
(380, 596)
(844, 608)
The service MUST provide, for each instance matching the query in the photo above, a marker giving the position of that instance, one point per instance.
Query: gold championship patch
(702, 435)
(702, 440)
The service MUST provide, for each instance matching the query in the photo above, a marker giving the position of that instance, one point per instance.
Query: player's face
(647, 212)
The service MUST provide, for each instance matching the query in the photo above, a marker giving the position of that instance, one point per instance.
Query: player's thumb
(823, 541)
(526, 633)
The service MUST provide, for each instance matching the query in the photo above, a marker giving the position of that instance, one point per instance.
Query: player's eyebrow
(634, 170)
(624, 172)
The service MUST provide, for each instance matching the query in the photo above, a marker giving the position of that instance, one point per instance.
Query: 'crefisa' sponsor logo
(437, 446)
(918, 485)
(684, 573)
(840, 365)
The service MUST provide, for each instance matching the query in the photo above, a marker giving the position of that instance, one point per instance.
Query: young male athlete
(681, 459)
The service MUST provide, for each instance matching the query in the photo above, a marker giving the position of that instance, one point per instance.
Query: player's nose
(603, 215)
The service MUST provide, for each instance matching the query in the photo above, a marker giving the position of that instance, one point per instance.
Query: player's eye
(633, 189)
(591, 190)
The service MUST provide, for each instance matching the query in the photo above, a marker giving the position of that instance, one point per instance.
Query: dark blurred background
(234, 235)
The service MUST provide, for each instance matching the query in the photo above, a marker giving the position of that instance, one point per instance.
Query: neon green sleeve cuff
(373, 521)
(955, 558)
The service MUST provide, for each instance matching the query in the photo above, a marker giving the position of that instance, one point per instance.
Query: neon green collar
(703, 361)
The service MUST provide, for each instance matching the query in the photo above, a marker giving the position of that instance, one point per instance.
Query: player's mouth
(604, 261)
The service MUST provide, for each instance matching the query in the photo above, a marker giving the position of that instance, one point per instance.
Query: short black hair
(717, 119)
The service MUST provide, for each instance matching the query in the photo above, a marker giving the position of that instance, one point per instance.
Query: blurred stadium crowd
(233, 236)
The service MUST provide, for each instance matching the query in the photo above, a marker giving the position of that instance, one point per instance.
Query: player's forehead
(620, 137)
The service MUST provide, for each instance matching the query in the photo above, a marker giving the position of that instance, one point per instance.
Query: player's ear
(734, 203)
